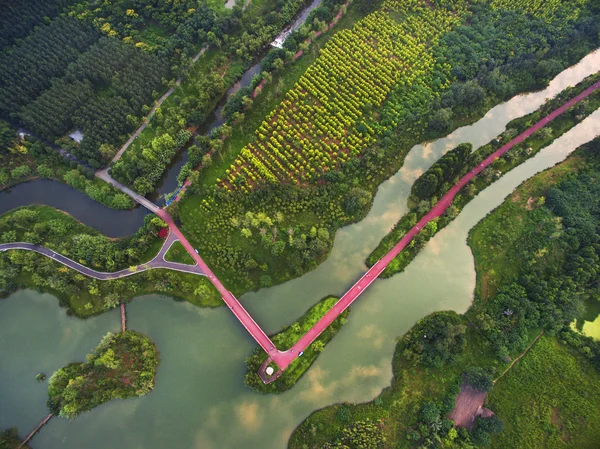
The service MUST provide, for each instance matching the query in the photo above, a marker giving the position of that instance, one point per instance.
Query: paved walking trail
(157, 262)
(284, 358)
(234, 305)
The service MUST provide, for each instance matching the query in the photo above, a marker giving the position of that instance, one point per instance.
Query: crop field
(326, 118)
(545, 9)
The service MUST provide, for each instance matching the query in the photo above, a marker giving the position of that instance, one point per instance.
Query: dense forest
(122, 366)
(18, 19)
(68, 66)
(297, 168)
(537, 263)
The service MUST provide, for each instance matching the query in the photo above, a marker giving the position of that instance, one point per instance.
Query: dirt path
(468, 406)
(520, 357)
(157, 105)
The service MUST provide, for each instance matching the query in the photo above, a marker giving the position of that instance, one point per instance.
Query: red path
(284, 358)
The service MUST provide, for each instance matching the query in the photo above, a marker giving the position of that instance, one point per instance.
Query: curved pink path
(284, 358)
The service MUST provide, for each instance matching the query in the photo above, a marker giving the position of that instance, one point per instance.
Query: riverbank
(82, 295)
(45, 192)
(428, 366)
(29, 159)
(525, 150)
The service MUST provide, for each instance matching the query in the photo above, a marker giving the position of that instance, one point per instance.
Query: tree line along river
(200, 400)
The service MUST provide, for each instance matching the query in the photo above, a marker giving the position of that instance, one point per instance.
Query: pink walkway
(284, 358)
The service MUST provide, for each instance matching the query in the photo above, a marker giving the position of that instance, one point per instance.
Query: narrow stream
(168, 182)
(111, 222)
(200, 400)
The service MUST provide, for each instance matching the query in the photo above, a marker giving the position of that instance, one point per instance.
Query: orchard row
(327, 116)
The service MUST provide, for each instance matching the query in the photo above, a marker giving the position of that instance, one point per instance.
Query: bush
(479, 378)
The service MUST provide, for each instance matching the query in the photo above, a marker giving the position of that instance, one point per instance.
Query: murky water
(589, 323)
(111, 222)
(279, 40)
(200, 401)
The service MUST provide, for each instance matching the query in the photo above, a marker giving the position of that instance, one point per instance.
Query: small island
(285, 340)
(122, 366)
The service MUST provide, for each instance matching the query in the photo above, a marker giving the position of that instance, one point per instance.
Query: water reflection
(200, 401)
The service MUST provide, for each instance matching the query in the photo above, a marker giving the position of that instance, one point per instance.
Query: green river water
(200, 400)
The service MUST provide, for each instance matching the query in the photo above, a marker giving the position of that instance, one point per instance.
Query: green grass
(177, 253)
(152, 250)
(81, 295)
(153, 34)
(549, 399)
(492, 239)
(286, 339)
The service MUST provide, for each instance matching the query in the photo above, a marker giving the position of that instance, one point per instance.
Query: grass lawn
(549, 399)
(177, 253)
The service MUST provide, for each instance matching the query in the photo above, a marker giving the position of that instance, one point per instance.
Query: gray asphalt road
(157, 262)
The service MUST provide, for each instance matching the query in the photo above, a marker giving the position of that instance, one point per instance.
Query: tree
(318, 346)
(107, 151)
(441, 120)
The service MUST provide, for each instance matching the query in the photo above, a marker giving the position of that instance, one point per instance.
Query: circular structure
(269, 370)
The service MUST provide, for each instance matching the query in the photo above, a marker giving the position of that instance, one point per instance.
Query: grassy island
(286, 339)
(544, 242)
(178, 254)
(122, 366)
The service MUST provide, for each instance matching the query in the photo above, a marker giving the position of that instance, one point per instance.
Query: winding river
(200, 400)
